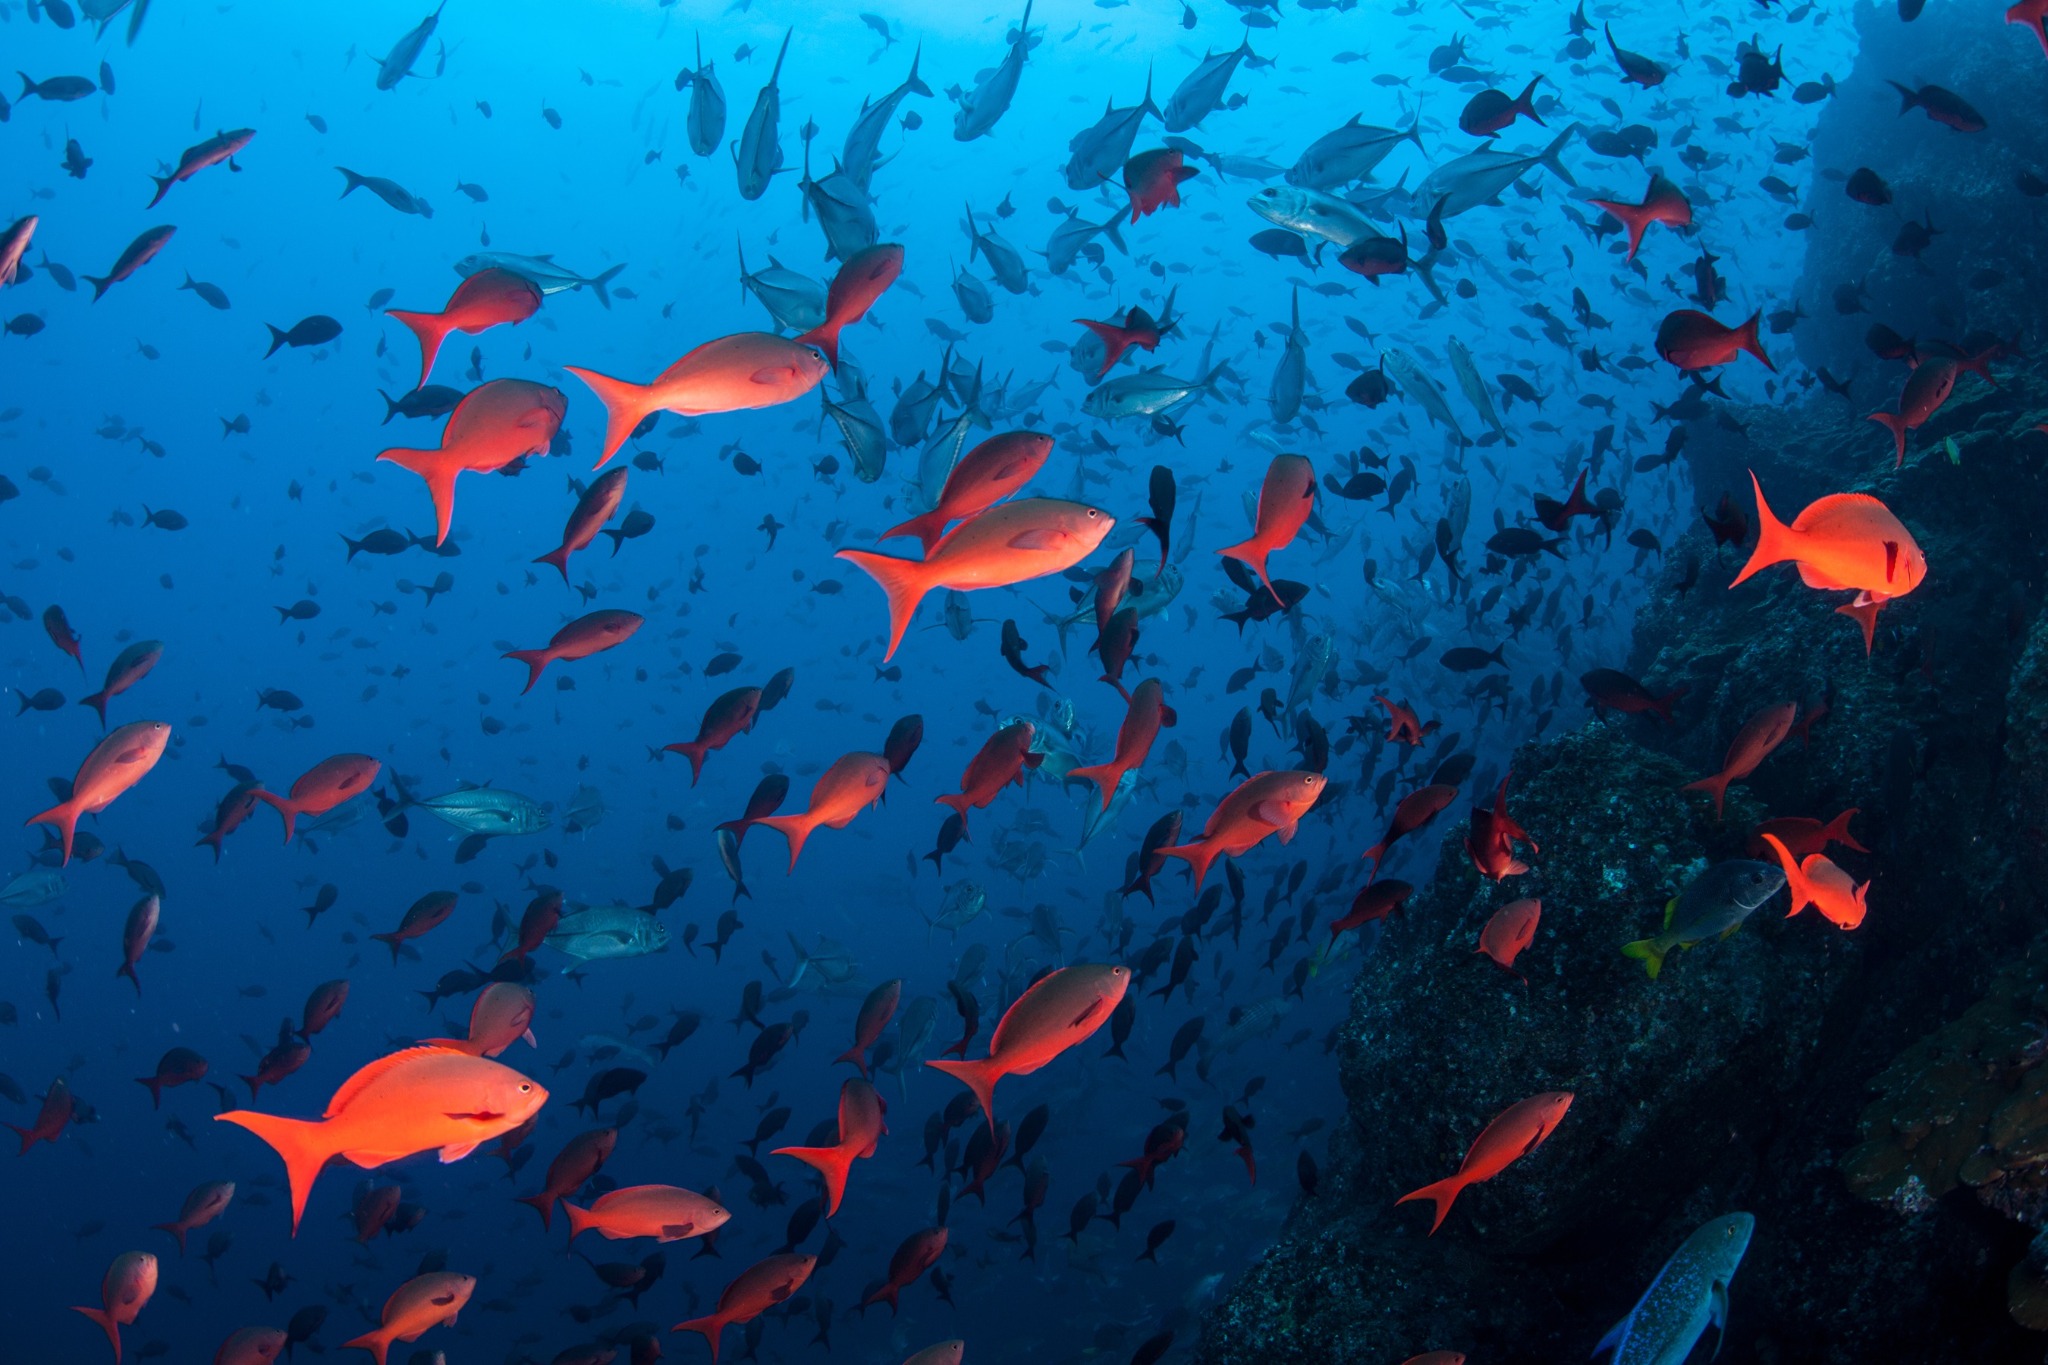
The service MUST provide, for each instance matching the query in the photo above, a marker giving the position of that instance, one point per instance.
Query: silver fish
(488, 810)
(795, 301)
(1311, 666)
(1466, 182)
(1419, 386)
(1199, 96)
(911, 419)
(1146, 393)
(596, 933)
(1475, 387)
(1004, 260)
(982, 106)
(1348, 154)
(864, 139)
(829, 964)
(390, 191)
(1097, 153)
(1290, 374)
(1070, 238)
(37, 886)
(845, 212)
(757, 156)
(545, 275)
(706, 119)
(1312, 213)
(860, 429)
(396, 66)
(962, 904)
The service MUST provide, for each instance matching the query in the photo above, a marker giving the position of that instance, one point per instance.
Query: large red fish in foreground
(758, 1288)
(860, 281)
(127, 1288)
(1062, 1008)
(482, 301)
(418, 1100)
(115, 764)
(493, 425)
(326, 785)
(1263, 804)
(848, 787)
(1519, 1130)
(732, 374)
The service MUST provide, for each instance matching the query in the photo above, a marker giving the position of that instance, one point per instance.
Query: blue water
(422, 687)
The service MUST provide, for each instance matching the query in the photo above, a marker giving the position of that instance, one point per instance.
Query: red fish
(1752, 744)
(663, 1212)
(2032, 13)
(767, 798)
(179, 1066)
(581, 1158)
(917, 1253)
(1061, 1009)
(1285, 500)
(1492, 839)
(1403, 725)
(759, 1288)
(423, 916)
(983, 477)
(1376, 900)
(1692, 340)
(251, 1346)
(135, 936)
(1816, 881)
(860, 1130)
(58, 628)
(732, 714)
(1511, 929)
(483, 301)
(1165, 1142)
(1927, 388)
(204, 1204)
(1137, 329)
(115, 764)
(586, 635)
(130, 667)
(1014, 543)
(1417, 809)
(1844, 540)
(323, 787)
(426, 1301)
(494, 424)
(591, 512)
(1153, 180)
(851, 785)
(541, 916)
(501, 1016)
(1519, 1130)
(862, 278)
(1489, 111)
(417, 1100)
(133, 257)
(129, 1283)
(221, 147)
(1802, 836)
(1556, 516)
(230, 815)
(737, 373)
(875, 1013)
(57, 1107)
(1663, 203)
(1265, 803)
(1147, 712)
(1002, 759)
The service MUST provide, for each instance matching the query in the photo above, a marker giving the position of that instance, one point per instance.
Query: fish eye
(526, 1089)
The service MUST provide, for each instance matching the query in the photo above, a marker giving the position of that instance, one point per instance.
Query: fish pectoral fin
(1038, 538)
(675, 1232)
(1729, 932)
(1670, 911)
(457, 1152)
(1615, 1336)
(1717, 1301)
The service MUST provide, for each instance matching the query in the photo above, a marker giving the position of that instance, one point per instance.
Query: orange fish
(759, 1288)
(482, 301)
(1013, 543)
(1147, 712)
(494, 424)
(1801, 835)
(1403, 725)
(115, 764)
(587, 518)
(1519, 1130)
(1064, 1007)
(423, 916)
(58, 1106)
(250, 1346)
(731, 374)
(732, 714)
(945, 1353)
(1263, 804)
(1153, 180)
(861, 280)
(875, 1013)
(582, 1157)
(501, 1016)
(851, 785)
(1376, 900)
(129, 1283)
(1752, 744)
(1815, 880)
(1492, 838)
(1844, 540)
(981, 478)
(204, 1204)
(418, 1100)
(1137, 329)
(423, 1302)
(860, 1130)
(663, 1212)
(2034, 15)
(1512, 928)
(1002, 760)
(917, 1253)
(1286, 498)
(1663, 203)
(1692, 340)
(590, 634)
(326, 785)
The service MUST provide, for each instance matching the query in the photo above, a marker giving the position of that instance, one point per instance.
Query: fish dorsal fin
(375, 1071)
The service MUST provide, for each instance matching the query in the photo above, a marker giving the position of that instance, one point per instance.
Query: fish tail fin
(1747, 337)
(163, 187)
(1104, 775)
(1715, 786)
(1662, 705)
(926, 526)
(536, 661)
(1548, 156)
(1796, 880)
(1645, 951)
(1895, 423)
(795, 828)
(825, 336)
(1113, 229)
(625, 404)
(28, 1139)
(1633, 217)
(99, 285)
(1198, 855)
(831, 1164)
(709, 1328)
(107, 1325)
(282, 806)
(1443, 1194)
(302, 1144)
(542, 1204)
(1525, 104)
(352, 181)
(1907, 98)
(1774, 542)
(559, 557)
(1836, 831)
(694, 750)
(911, 82)
(127, 969)
(176, 1230)
(903, 581)
(601, 285)
(978, 1076)
(430, 328)
(64, 815)
(377, 1343)
(98, 702)
(579, 1219)
(439, 474)
(959, 803)
(278, 337)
